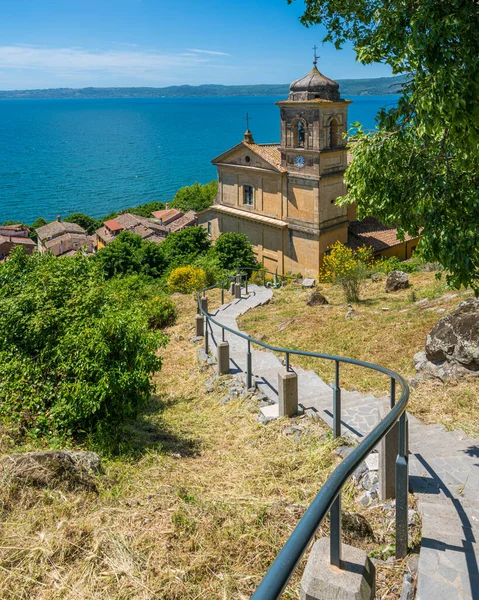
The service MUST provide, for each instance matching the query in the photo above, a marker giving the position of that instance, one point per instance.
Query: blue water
(98, 156)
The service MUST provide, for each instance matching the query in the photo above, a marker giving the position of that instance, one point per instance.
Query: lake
(98, 156)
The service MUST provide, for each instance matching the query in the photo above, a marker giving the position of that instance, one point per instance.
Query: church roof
(270, 153)
(314, 85)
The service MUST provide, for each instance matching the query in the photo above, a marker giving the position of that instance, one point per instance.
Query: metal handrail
(328, 498)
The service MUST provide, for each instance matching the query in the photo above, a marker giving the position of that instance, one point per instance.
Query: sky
(108, 43)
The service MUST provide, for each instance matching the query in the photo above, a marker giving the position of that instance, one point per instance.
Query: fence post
(287, 393)
(337, 404)
(237, 291)
(200, 326)
(204, 303)
(402, 486)
(249, 374)
(223, 356)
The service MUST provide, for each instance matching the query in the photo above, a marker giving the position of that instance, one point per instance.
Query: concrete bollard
(200, 325)
(223, 356)
(237, 291)
(232, 288)
(288, 393)
(356, 580)
(204, 303)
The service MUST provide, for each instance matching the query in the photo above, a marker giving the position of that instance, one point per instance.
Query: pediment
(247, 156)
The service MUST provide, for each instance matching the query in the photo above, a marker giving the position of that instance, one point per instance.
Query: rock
(408, 590)
(356, 526)
(376, 277)
(372, 461)
(456, 336)
(350, 312)
(424, 303)
(44, 469)
(359, 472)
(309, 283)
(365, 499)
(397, 280)
(441, 311)
(91, 461)
(385, 308)
(316, 299)
(343, 451)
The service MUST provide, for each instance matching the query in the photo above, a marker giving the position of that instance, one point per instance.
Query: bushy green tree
(420, 169)
(195, 197)
(234, 251)
(40, 222)
(128, 254)
(89, 224)
(75, 355)
(183, 247)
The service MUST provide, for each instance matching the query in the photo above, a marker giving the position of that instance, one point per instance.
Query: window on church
(333, 133)
(300, 135)
(248, 195)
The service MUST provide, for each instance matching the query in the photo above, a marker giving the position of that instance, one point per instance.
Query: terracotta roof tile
(187, 220)
(270, 152)
(370, 232)
(168, 215)
(113, 225)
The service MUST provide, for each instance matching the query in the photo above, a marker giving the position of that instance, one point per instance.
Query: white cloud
(77, 59)
(212, 52)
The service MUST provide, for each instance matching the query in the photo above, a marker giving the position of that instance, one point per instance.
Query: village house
(13, 236)
(283, 195)
(148, 229)
(63, 239)
(175, 220)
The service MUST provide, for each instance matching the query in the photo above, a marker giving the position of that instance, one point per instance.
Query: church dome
(314, 85)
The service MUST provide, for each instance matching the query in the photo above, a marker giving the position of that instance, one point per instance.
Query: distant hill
(349, 87)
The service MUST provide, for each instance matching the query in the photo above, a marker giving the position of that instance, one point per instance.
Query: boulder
(51, 468)
(316, 299)
(309, 283)
(356, 526)
(397, 280)
(455, 338)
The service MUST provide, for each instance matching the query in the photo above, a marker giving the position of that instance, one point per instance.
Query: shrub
(161, 312)
(187, 279)
(210, 264)
(75, 356)
(347, 267)
(234, 251)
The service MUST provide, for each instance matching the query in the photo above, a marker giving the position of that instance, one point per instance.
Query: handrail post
(249, 375)
(402, 485)
(287, 362)
(206, 336)
(246, 283)
(222, 294)
(337, 404)
(335, 532)
(264, 278)
(392, 394)
(222, 334)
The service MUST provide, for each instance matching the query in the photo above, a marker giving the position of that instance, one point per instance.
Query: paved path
(443, 465)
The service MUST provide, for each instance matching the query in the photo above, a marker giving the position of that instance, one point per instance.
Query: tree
(89, 224)
(129, 254)
(40, 222)
(183, 247)
(195, 197)
(234, 251)
(75, 355)
(420, 169)
(145, 210)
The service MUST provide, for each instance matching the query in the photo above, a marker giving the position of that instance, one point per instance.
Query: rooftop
(370, 232)
(56, 228)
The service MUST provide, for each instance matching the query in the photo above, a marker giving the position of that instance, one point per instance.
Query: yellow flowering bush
(187, 279)
(347, 267)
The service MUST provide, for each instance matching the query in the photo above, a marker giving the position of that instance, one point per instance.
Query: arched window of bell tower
(334, 137)
(300, 131)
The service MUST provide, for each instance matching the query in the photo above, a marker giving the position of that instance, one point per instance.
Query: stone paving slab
(443, 465)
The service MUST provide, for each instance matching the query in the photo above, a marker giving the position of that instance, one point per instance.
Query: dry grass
(198, 509)
(388, 337)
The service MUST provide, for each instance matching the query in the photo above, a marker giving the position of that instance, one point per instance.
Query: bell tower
(313, 150)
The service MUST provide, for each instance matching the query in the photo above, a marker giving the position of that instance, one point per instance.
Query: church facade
(283, 196)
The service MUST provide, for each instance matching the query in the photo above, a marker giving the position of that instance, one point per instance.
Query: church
(283, 196)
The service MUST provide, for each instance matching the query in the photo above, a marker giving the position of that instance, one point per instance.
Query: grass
(386, 329)
(197, 506)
